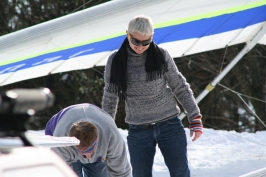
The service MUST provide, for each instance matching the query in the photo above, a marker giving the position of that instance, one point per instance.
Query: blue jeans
(171, 139)
(96, 169)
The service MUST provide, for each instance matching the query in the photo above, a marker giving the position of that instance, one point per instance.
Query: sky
(216, 153)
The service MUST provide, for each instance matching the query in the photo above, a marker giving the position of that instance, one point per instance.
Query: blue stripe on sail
(195, 29)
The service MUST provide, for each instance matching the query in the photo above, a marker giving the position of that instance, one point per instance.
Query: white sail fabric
(85, 39)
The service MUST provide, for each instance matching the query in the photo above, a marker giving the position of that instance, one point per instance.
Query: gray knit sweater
(111, 147)
(152, 101)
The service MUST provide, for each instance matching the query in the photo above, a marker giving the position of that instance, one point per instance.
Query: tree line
(229, 106)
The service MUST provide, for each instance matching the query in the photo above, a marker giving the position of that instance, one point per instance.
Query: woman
(146, 77)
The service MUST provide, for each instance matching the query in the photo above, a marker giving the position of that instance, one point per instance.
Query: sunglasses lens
(145, 43)
(135, 42)
(138, 43)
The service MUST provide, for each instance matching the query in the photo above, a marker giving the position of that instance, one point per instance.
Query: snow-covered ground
(216, 154)
(219, 154)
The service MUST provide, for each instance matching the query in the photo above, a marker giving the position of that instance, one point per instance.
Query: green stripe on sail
(212, 14)
(160, 25)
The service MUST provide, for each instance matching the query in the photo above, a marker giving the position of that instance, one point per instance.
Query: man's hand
(196, 128)
(197, 135)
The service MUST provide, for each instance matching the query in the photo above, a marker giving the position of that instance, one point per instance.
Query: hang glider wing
(85, 39)
(37, 138)
(263, 40)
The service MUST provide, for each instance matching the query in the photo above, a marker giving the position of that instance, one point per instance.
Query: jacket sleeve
(117, 161)
(181, 89)
(110, 99)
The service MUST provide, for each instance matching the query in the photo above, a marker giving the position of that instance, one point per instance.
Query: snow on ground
(219, 154)
(216, 153)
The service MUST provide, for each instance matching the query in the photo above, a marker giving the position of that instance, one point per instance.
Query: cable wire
(239, 95)
(223, 59)
(80, 7)
(251, 110)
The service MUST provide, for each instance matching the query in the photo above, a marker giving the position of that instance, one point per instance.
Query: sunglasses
(138, 42)
(89, 150)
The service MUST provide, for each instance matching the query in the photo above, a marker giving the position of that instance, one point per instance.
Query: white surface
(39, 139)
(32, 162)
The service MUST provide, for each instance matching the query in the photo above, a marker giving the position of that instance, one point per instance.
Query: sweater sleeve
(110, 99)
(181, 89)
(117, 161)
